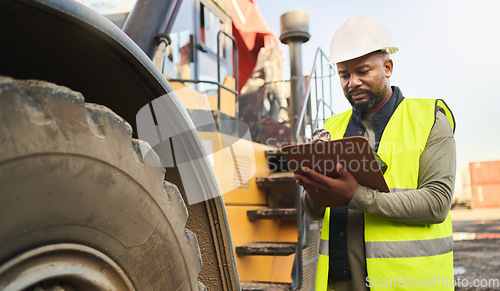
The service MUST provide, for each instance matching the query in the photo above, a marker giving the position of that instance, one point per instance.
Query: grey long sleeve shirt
(428, 204)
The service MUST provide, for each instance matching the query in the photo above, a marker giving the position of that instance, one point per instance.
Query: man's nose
(354, 81)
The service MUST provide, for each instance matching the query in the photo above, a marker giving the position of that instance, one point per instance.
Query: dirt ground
(477, 248)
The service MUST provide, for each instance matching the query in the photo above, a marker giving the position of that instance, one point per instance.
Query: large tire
(78, 205)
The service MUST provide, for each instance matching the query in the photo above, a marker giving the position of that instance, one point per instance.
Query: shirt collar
(382, 116)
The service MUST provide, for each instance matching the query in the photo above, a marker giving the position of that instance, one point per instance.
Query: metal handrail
(306, 111)
(307, 93)
(194, 81)
(235, 71)
(218, 83)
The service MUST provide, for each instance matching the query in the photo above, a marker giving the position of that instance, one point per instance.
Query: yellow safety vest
(399, 256)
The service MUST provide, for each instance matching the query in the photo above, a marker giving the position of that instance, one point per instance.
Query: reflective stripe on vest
(397, 250)
(323, 254)
(400, 249)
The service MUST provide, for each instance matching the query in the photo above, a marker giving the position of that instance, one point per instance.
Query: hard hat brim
(354, 55)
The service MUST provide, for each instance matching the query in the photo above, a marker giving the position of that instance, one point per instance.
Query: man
(371, 239)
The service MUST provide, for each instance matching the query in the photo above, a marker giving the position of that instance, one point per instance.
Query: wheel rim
(77, 266)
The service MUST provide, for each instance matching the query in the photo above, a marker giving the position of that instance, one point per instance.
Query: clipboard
(355, 153)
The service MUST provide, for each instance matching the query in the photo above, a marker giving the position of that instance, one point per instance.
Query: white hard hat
(358, 36)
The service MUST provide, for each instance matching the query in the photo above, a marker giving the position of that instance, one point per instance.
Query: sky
(447, 49)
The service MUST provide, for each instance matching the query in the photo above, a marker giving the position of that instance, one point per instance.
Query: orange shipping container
(487, 195)
(485, 183)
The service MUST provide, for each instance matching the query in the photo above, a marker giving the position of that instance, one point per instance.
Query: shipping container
(485, 183)
(485, 172)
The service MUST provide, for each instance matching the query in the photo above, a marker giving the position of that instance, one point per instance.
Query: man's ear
(388, 66)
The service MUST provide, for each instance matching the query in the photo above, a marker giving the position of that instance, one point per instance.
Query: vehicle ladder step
(275, 180)
(276, 161)
(272, 213)
(265, 286)
(267, 249)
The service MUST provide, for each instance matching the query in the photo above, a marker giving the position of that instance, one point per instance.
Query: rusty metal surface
(281, 190)
(207, 220)
(272, 213)
(265, 286)
(274, 180)
(267, 248)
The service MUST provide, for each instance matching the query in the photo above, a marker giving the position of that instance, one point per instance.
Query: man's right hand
(326, 191)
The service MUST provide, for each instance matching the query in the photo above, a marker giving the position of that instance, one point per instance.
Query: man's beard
(373, 98)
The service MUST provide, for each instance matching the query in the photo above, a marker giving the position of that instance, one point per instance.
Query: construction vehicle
(85, 205)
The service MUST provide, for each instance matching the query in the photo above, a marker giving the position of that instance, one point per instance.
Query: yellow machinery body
(237, 162)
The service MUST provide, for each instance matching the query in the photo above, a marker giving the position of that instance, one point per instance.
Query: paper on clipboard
(355, 153)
